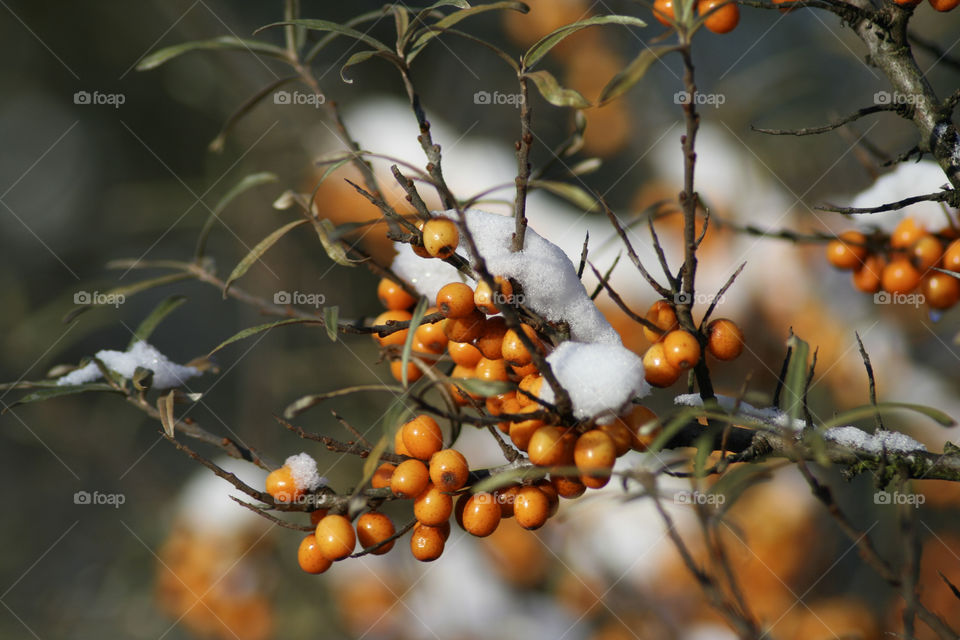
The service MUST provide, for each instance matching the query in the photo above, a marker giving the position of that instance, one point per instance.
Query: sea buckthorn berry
(663, 12)
(449, 470)
(481, 514)
(524, 371)
(567, 487)
(373, 528)
(505, 498)
(459, 506)
(847, 251)
(657, 369)
(281, 486)
(409, 479)
(906, 233)
(907, 3)
(724, 339)
(422, 437)
(397, 337)
(317, 516)
(531, 509)
(426, 543)
(512, 407)
(440, 237)
(638, 421)
(398, 447)
(381, 477)
(492, 370)
(926, 252)
(310, 558)
(485, 298)
(393, 296)
(490, 342)
(413, 371)
(951, 257)
(455, 300)
(442, 529)
(724, 19)
(464, 354)
(620, 434)
(944, 5)
(867, 277)
(548, 447)
(432, 507)
(513, 349)
(681, 349)
(460, 397)
(593, 452)
(940, 290)
(423, 352)
(335, 537)
(899, 276)
(532, 385)
(784, 9)
(465, 329)
(662, 315)
(495, 403)
(417, 246)
(431, 335)
(552, 496)
(523, 430)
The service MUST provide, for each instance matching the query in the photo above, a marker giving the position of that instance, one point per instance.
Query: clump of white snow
(891, 441)
(166, 374)
(601, 379)
(303, 468)
(908, 179)
(427, 276)
(769, 415)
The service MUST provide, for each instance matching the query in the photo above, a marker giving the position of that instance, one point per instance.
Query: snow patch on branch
(890, 441)
(166, 374)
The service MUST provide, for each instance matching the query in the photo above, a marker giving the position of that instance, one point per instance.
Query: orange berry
(531, 508)
(398, 447)
(522, 431)
(462, 398)
(906, 233)
(335, 537)
(657, 369)
(373, 528)
(681, 349)
(485, 298)
(393, 296)
(449, 470)
(524, 371)
(549, 447)
(280, 485)
(593, 452)
(663, 12)
(422, 437)
(317, 516)
(532, 385)
(940, 290)
(426, 543)
(397, 337)
(381, 477)
(951, 257)
(495, 403)
(899, 276)
(724, 339)
(944, 5)
(440, 237)
(567, 487)
(552, 496)
(491, 338)
(417, 246)
(443, 529)
(431, 335)
(867, 277)
(847, 251)
(464, 354)
(455, 300)
(724, 19)
(465, 329)
(413, 371)
(662, 315)
(513, 349)
(907, 3)
(481, 514)
(926, 252)
(310, 558)
(492, 370)
(409, 479)
(636, 421)
(505, 498)
(432, 507)
(620, 434)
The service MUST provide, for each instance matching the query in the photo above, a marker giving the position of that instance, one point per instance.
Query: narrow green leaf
(157, 58)
(392, 419)
(503, 55)
(569, 192)
(869, 410)
(507, 478)
(484, 388)
(429, 33)
(56, 392)
(257, 252)
(796, 380)
(247, 183)
(246, 333)
(633, 72)
(357, 58)
(418, 312)
(326, 25)
(369, 16)
(216, 145)
(334, 249)
(331, 319)
(540, 48)
(165, 407)
(553, 93)
(145, 285)
(300, 405)
(704, 448)
(149, 324)
(142, 379)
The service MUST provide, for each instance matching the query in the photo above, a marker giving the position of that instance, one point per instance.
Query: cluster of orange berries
(939, 5)
(901, 262)
(675, 350)
(722, 16)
